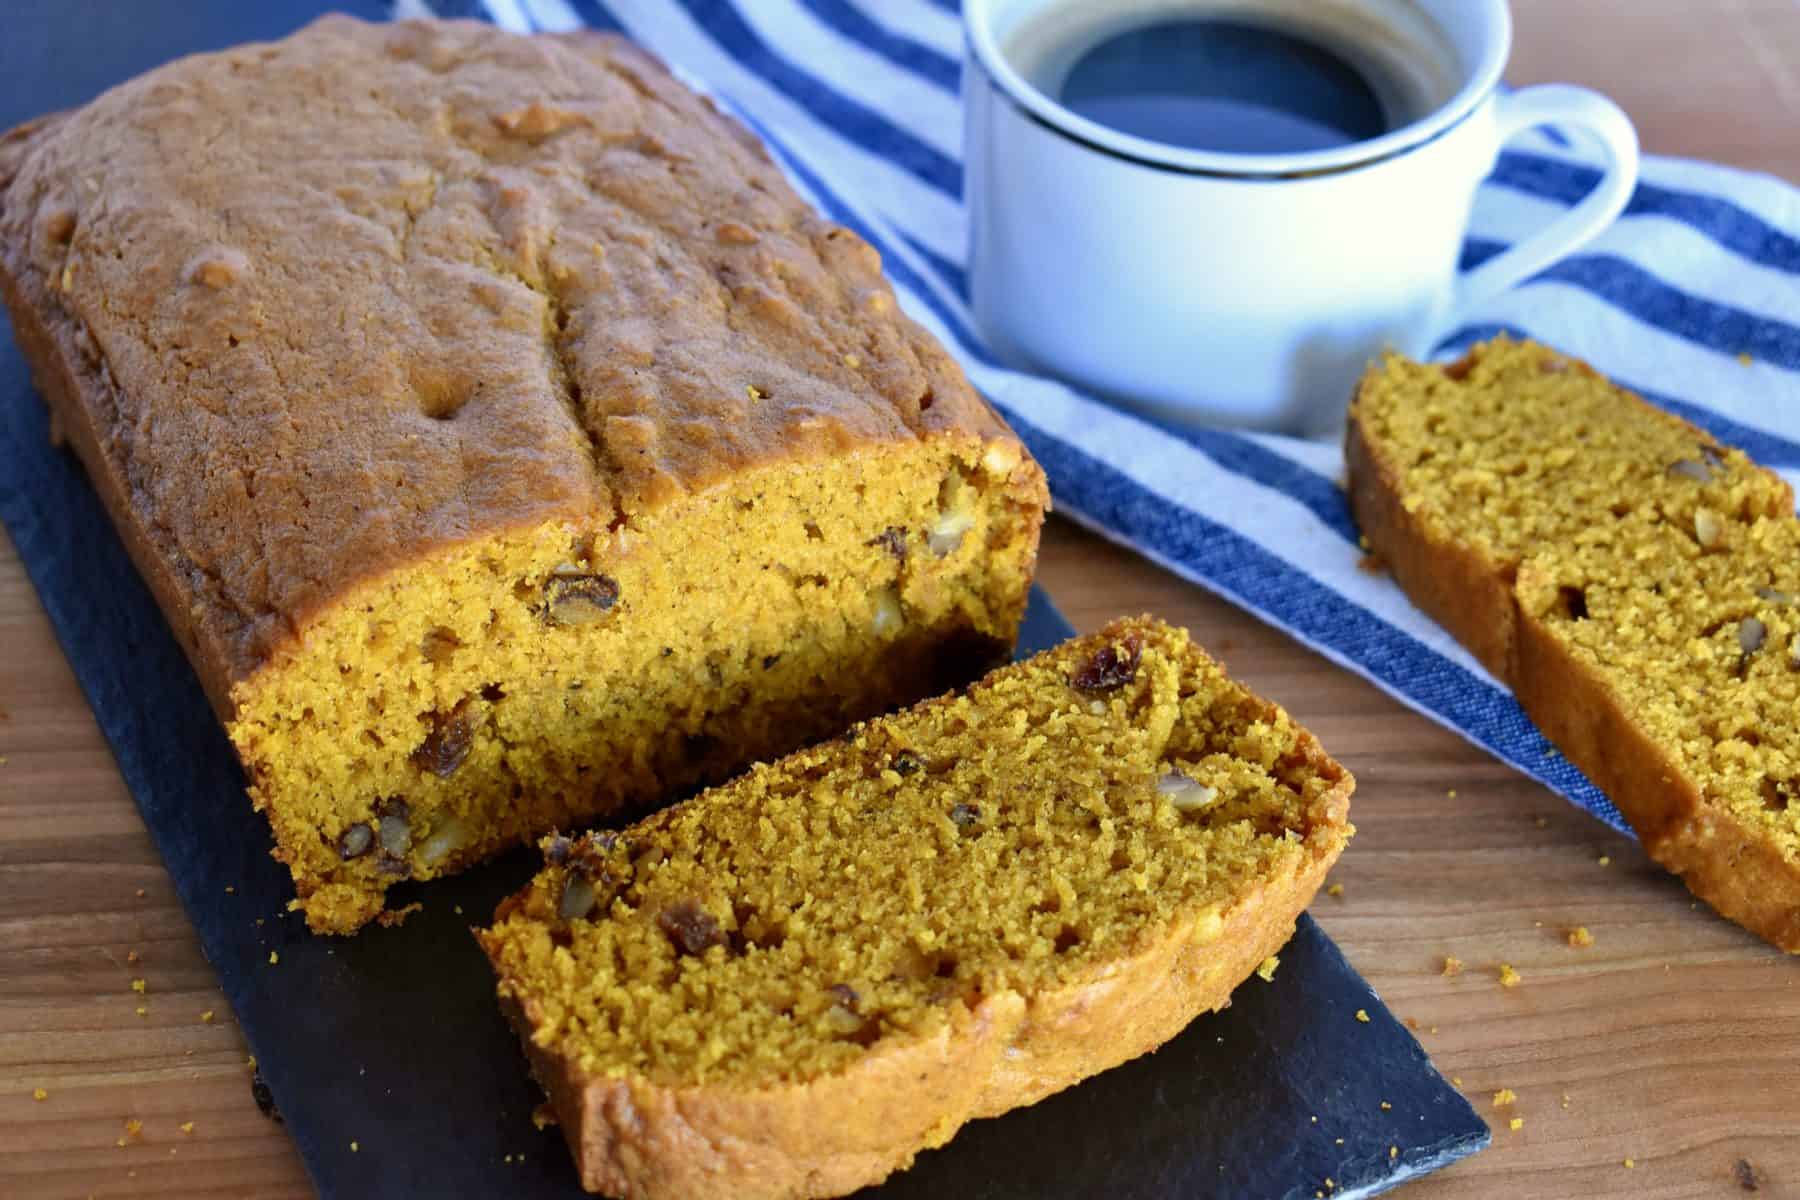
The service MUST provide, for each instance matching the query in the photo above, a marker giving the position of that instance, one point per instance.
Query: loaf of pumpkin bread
(504, 439)
(1634, 581)
(790, 985)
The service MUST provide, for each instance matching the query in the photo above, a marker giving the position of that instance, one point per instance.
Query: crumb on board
(131, 958)
(1336, 889)
(186, 1127)
(1565, 1099)
(1604, 860)
(391, 918)
(1579, 936)
(1452, 965)
(1412, 1023)
(1504, 1097)
(1451, 794)
(1516, 1124)
(141, 893)
(1508, 977)
(207, 1017)
(1362, 1014)
(138, 986)
(1266, 972)
(1541, 822)
(1456, 1081)
(1630, 1163)
(39, 1094)
(142, 1011)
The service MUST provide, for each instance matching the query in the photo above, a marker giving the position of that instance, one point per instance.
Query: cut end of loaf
(547, 677)
(997, 892)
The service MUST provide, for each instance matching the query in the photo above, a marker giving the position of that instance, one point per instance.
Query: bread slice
(1636, 583)
(790, 985)
(505, 440)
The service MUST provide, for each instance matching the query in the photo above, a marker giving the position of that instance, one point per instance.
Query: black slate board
(391, 1038)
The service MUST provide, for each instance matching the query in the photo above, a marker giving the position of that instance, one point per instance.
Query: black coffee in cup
(1233, 78)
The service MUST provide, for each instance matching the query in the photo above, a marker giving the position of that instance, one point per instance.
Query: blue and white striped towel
(1692, 299)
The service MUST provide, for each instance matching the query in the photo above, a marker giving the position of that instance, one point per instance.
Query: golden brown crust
(1456, 585)
(1731, 867)
(486, 282)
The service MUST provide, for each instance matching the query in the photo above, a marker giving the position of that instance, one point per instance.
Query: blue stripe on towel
(1631, 289)
(847, 117)
(903, 52)
(1731, 225)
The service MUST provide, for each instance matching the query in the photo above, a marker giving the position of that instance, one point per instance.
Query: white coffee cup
(1252, 289)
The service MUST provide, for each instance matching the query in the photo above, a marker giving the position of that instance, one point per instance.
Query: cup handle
(1558, 104)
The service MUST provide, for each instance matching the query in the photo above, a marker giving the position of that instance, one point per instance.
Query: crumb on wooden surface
(1509, 977)
(1504, 1097)
(1452, 965)
(39, 1094)
(139, 986)
(1579, 936)
(1516, 1124)
(1336, 889)
(207, 1017)
(186, 1127)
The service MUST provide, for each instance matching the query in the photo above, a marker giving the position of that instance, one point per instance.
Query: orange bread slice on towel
(791, 984)
(1636, 583)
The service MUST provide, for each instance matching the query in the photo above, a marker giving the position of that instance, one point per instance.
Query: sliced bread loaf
(1636, 583)
(791, 984)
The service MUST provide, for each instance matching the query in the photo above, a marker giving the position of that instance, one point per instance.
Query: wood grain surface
(1661, 1061)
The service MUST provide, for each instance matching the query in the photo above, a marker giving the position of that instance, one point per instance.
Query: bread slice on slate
(793, 983)
(1635, 582)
